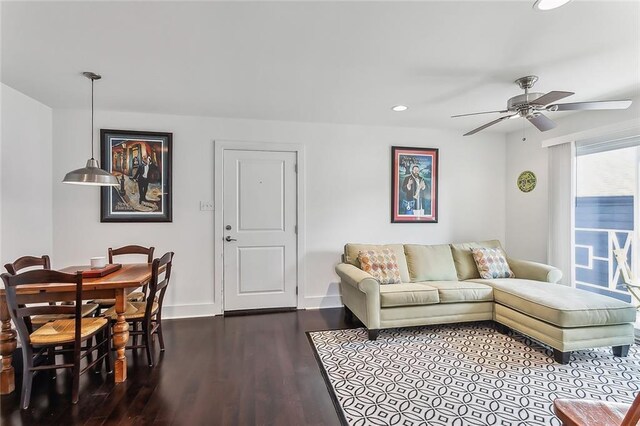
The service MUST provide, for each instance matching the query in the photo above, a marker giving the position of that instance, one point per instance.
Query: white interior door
(260, 218)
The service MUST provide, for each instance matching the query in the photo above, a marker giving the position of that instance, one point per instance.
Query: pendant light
(91, 174)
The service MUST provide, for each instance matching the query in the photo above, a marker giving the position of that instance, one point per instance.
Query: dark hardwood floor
(243, 370)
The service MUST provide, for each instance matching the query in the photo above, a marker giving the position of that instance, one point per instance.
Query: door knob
(229, 239)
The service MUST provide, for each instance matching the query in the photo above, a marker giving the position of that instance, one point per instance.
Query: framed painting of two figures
(141, 161)
(414, 185)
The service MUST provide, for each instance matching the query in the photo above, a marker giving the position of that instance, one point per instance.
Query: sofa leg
(501, 328)
(348, 315)
(373, 334)
(620, 351)
(561, 357)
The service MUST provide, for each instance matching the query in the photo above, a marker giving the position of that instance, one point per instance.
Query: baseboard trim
(322, 302)
(188, 311)
(245, 312)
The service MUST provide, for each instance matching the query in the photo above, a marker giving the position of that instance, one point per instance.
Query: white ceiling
(335, 62)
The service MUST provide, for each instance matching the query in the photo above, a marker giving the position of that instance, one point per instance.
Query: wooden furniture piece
(574, 412)
(134, 296)
(43, 262)
(148, 313)
(114, 285)
(40, 347)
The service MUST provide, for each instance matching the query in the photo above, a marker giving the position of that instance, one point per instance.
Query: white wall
(527, 216)
(347, 195)
(25, 176)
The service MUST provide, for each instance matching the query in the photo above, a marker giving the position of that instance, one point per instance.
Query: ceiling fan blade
(478, 113)
(552, 97)
(542, 122)
(474, 131)
(576, 106)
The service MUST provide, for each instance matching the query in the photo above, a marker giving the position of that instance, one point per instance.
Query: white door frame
(218, 232)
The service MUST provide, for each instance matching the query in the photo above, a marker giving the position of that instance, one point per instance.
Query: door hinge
(295, 167)
(295, 229)
(296, 291)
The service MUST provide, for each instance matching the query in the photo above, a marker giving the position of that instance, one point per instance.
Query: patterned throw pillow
(491, 263)
(381, 264)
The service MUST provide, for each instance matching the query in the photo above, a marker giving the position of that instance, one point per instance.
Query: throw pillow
(491, 263)
(381, 264)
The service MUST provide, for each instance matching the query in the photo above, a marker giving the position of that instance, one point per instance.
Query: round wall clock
(527, 181)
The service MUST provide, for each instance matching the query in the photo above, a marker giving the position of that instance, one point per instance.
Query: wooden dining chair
(578, 412)
(148, 314)
(134, 296)
(43, 262)
(62, 336)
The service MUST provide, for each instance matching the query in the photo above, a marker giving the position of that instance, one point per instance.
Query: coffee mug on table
(98, 262)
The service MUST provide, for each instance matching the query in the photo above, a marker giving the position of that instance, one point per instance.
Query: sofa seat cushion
(560, 305)
(407, 294)
(462, 291)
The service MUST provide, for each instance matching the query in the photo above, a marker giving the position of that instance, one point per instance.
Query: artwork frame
(142, 163)
(418, 191)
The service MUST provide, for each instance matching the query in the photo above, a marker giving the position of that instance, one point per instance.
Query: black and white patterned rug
(462, 375)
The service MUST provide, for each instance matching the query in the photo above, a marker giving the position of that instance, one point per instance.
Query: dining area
(81, 318)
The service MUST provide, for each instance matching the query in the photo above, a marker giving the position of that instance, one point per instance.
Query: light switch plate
(206, 206)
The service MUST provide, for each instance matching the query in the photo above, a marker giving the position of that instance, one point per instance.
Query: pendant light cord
(92, 119)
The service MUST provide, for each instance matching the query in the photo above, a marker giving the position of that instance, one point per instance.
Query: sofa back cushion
(463, 259)
(351, 252)
(430, 263)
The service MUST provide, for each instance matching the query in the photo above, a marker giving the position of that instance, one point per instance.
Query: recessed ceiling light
(399, 108)
(549, 4)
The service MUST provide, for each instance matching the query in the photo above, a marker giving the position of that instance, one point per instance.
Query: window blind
(608, 143)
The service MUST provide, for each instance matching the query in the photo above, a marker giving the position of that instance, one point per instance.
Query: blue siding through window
(594, 214)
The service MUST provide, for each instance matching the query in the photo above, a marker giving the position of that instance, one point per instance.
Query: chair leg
(147, 343)
(51, 357)
(89, 353)
(109, 351)
(160, 336)
(136, 327)
(75, 387)
(27, 379)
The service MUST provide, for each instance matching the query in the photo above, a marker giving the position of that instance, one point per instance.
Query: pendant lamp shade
(91, 174)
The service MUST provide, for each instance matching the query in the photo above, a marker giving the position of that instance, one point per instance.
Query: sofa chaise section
(564, 318)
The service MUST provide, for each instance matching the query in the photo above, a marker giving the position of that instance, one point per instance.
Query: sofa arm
(358, 278)
(534, 271)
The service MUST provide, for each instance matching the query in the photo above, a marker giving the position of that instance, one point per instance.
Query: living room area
(317, 212)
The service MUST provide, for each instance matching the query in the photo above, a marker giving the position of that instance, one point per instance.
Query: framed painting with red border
(414, 185)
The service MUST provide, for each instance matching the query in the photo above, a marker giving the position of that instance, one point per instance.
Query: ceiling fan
(531, 106)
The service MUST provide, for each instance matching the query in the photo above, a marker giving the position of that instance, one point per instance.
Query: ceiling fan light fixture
(399, 108)
(549, 4)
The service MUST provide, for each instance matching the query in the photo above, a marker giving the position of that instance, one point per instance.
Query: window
(606, 214)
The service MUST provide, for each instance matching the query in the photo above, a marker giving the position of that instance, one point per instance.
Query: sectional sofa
(441, 284)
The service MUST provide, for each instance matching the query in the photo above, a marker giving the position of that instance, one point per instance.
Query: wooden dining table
(113, 286)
